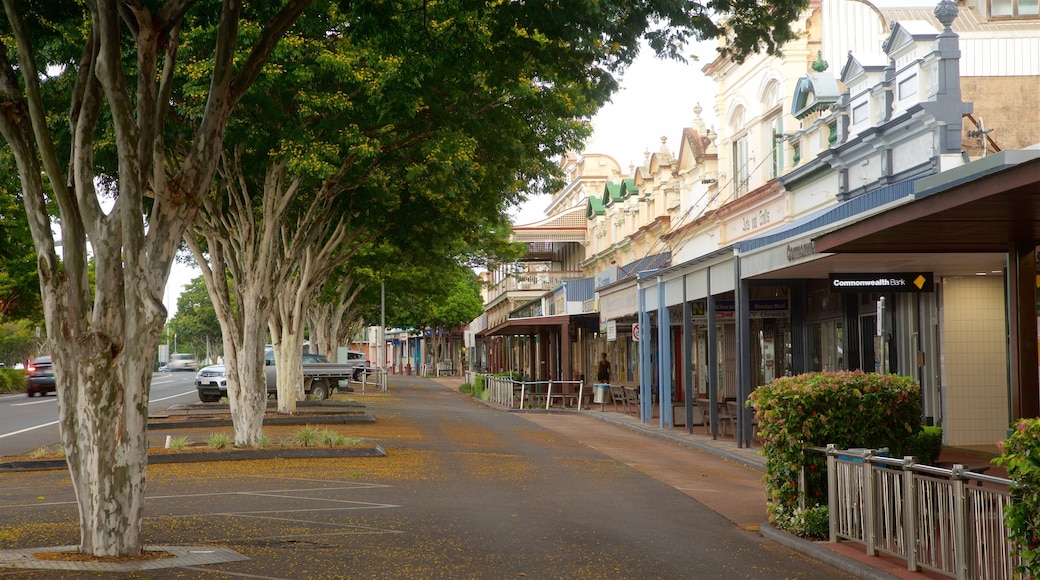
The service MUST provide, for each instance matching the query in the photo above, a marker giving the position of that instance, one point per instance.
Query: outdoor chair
(632, 398)
(617, 395)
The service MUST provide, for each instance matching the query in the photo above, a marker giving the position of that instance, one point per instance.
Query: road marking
(191, 392)
(33, 428)
(27, 429)
(40, 402)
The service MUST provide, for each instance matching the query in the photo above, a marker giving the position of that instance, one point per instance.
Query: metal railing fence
(374, 378)
(530, 394)
(929, 516)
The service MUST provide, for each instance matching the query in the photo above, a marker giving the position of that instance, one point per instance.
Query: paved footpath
(723, 477)
(465, 491)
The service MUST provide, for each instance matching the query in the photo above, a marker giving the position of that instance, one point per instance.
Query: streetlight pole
(382, 323)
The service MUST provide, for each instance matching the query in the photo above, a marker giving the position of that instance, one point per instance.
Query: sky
(656, 99)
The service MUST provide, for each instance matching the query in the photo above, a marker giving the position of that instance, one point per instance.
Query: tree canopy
(461, 107)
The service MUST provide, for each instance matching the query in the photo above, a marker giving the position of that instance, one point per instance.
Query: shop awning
(538, 324)
(984, 206)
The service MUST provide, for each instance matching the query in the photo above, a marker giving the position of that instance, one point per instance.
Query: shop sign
(725, 309)
(610, 330)
(883, 282)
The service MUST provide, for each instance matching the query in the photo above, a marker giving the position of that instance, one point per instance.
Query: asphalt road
(465, 491)
(28, 423)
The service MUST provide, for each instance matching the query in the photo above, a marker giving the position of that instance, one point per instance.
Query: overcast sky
(656, 99)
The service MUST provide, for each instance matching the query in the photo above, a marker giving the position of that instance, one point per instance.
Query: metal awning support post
(713, 363)
(644, 352)
(664, 360)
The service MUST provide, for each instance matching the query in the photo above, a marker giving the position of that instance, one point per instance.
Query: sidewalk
(700, 460)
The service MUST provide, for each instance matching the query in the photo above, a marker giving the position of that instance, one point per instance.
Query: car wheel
(320, 389)
(31, 393)
(357, 374)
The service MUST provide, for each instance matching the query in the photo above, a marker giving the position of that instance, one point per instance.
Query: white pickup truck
(320, 377)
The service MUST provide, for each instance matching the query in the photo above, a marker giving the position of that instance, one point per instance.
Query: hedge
(849, 409)
(12, 380)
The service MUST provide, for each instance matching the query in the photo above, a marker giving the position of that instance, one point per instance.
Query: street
(30, 423)
(465, 491)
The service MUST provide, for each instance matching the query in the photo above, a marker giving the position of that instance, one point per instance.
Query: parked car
(320, 377)
(211, 383)
(39, 376)
(163, 369)
(356, 361)
(180, 361)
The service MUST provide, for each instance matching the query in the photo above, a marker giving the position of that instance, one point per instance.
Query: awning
(537, 324)
(984, 206)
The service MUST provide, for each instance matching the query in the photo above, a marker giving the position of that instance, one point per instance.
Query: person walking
(603, 370)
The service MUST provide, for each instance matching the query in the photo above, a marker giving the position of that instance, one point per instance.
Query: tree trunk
(322, 328)
(103, 410)
(247, 385)
(288, 348)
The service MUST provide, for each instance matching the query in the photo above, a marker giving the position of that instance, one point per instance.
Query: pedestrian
(603, 370)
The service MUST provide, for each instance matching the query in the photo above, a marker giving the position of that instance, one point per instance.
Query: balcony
(532, 281)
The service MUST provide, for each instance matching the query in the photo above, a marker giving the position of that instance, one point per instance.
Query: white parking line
(191, 392)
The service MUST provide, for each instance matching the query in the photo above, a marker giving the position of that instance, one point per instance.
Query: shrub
(478, 387)
(927, 445)
(466, 388)
(848, 409)
(220, 441)
(12, 380)
(306, 436)
(178, 443)
(810, 523)
(1020, 455)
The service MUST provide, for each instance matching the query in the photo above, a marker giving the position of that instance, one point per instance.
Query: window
(740, 166)
(740, 152)
(859, 113)
(907, 87)
(776, 147)
(1014, 8)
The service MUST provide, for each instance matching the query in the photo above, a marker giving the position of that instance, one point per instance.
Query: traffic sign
(635, 332)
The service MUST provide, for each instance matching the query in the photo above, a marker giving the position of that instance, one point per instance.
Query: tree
(19, 281)
(195, 323)
(108, 68)
(87, 112)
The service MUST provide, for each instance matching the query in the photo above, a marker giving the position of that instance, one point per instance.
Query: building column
(1022, 282)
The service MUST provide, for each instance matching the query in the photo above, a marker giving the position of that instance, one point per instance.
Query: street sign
(635, 332)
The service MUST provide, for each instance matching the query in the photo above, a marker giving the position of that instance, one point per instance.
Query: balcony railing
(532, 280)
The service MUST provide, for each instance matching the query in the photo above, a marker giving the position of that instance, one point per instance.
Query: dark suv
(39, 376)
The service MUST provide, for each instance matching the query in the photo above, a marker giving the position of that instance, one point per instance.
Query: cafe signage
(883, 282)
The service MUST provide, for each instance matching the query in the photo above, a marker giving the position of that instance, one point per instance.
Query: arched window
(772, 100)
